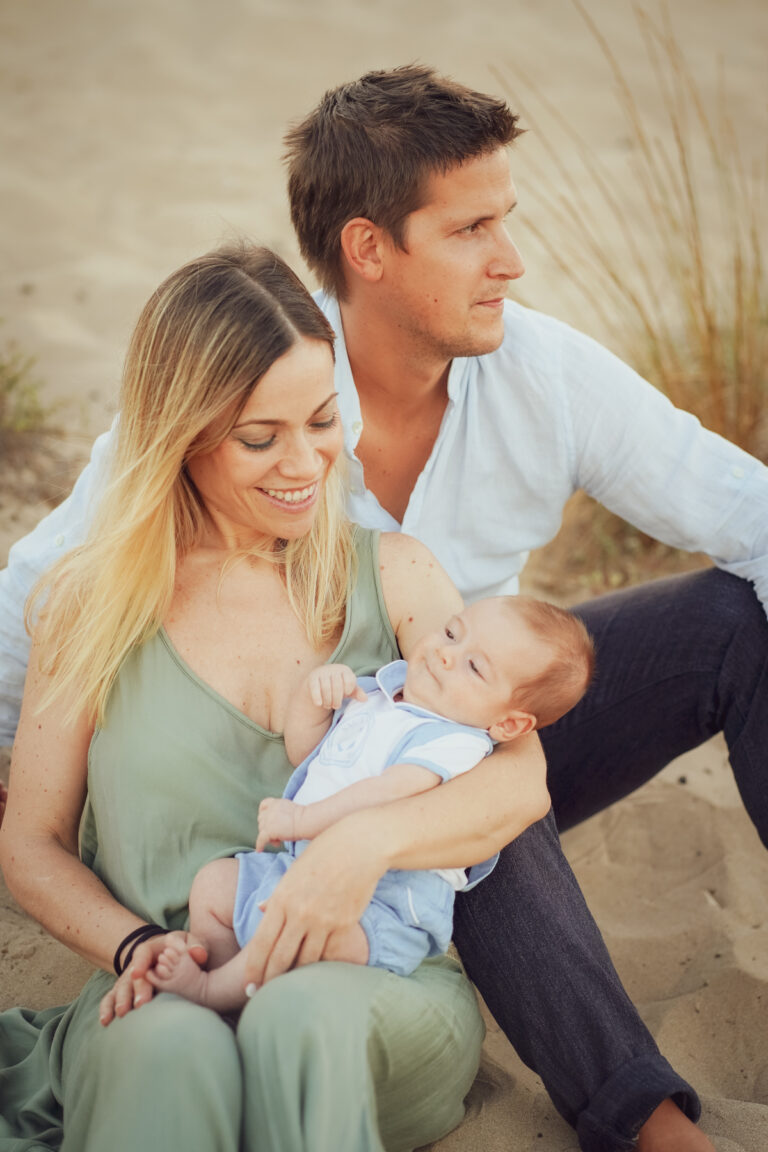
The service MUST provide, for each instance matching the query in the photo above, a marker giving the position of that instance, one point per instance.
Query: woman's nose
(300, 460)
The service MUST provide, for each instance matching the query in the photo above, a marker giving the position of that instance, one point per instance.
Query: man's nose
(508, 263)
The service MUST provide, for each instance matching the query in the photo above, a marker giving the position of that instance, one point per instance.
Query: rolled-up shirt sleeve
(64, 528)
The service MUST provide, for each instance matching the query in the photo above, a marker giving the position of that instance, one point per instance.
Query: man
(469, 421)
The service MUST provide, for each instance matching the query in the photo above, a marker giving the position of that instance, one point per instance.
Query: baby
(499, 668)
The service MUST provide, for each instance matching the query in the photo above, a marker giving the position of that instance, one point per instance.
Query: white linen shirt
(549, 412)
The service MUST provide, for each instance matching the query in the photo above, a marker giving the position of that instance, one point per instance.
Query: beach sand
(135, 136)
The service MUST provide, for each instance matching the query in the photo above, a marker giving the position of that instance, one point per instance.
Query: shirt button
(357, 427)
(737, 472)
(59, 541)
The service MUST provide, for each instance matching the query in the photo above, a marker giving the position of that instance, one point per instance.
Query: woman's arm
(38, 842)
(461, 823)
(281, 820)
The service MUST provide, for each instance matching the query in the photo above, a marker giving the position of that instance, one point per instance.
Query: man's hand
(279, 820)
(331, 684)
(328, 887)
(132, 989)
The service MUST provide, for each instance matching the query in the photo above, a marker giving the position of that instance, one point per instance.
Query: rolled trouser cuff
(619, 1109)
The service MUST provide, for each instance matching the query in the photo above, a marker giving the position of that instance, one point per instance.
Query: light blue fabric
(410, 916)
(409, 919)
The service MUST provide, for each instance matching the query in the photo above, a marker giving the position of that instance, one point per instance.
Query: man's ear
(362, 244)
(514, 725)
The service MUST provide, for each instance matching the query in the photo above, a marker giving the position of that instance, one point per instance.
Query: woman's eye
(258, 446)
(331, 422)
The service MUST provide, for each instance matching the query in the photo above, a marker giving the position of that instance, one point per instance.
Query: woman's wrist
(371, 835)
(128, 945)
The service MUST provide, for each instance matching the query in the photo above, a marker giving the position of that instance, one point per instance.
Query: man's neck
(402, 400)
(389, 374)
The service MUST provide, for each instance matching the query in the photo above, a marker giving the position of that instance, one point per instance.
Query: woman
(219, 569)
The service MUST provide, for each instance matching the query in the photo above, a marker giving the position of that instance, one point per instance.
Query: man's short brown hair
(368, 149)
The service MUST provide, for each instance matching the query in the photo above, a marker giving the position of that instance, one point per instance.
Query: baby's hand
(331, 684)
(278, 821)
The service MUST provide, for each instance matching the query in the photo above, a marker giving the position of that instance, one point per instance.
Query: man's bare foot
(667, 1129)
(176, 971)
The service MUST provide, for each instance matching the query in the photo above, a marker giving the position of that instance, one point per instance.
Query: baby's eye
(474, 668)
(449, 634)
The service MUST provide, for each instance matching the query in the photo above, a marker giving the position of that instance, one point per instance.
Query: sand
(136, 135)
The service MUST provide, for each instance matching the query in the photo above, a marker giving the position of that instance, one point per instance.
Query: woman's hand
(327, 888)
(132, 989)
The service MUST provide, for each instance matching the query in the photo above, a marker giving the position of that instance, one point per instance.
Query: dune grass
(20, 407)
(685, 290)
(679, 285)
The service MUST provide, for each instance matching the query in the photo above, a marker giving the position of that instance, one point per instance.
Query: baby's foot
(176, 971)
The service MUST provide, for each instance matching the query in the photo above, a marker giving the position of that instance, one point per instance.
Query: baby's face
(469, 671)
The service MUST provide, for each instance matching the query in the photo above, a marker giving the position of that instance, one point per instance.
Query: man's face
(445, 292)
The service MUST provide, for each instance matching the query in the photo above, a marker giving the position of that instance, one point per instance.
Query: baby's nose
(444, 656)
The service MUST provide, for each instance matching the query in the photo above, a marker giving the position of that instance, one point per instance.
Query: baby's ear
(514, 725)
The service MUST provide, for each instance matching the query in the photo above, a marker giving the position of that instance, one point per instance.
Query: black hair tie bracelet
(138, 936)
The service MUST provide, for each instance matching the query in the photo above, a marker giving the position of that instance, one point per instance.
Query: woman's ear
(514, 725)
(361, 243)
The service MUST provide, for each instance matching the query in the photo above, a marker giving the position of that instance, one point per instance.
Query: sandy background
(135, 135)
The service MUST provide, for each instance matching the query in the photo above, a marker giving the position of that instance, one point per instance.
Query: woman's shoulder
(418, 592)
(400, 548)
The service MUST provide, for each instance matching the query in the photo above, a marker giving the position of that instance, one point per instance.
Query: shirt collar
(391, 679)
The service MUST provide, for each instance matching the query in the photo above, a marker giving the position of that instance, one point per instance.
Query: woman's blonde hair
(202, 342)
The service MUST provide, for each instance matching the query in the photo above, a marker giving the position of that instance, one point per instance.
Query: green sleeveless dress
(330, 1056)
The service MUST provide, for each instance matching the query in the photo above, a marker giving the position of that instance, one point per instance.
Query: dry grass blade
(684, 296)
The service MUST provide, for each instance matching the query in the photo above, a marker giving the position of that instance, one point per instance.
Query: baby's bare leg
(222, 989)
(211, 908)
(348, 945)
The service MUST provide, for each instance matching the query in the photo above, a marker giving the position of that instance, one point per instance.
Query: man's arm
(657, 467)
(61, 530)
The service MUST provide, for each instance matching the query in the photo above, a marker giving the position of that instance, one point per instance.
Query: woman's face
(266, 478)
